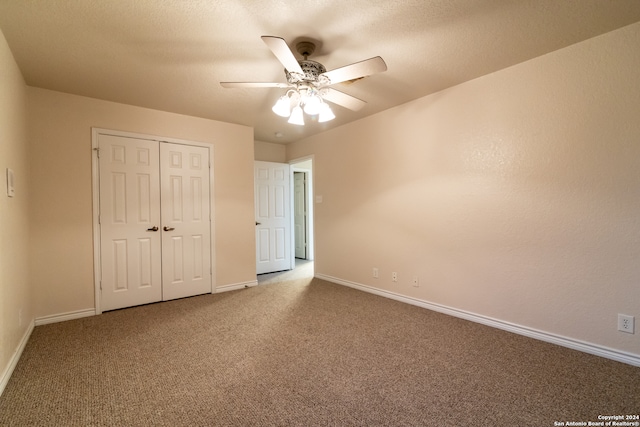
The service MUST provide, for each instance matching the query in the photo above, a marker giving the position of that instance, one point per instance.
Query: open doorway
(302, 202)
(287, 252)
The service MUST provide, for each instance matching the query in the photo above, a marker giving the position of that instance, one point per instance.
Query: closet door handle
(154, 228)
(165, 228)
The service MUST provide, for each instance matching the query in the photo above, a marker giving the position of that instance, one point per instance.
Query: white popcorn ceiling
(171, 55)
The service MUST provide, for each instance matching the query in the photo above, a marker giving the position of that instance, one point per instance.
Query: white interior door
(186, 245)
(273, 217)
(300, 214)
(129, 222)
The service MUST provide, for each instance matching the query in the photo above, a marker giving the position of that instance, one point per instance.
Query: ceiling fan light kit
(308, 82)
(303, 99)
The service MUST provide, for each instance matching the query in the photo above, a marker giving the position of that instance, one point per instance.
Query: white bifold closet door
(155, 238)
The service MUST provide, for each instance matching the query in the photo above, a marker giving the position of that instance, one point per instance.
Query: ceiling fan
(308, 82)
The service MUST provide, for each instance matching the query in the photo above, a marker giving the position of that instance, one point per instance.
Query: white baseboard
(4, 379)
(236, 286)
(608, 353)
(71, 315)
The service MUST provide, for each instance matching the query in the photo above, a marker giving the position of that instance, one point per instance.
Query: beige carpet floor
(303, 352)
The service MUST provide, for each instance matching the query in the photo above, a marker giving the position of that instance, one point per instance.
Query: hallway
(303, 269)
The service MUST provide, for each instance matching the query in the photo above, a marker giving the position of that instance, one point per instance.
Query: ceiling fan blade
(342, 99)
(252, 84)
(280, 49)
(357, 70)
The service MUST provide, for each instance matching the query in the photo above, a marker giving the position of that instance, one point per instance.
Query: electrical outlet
(415, 282)
(626, 323)
(375, 272)
(394, 277)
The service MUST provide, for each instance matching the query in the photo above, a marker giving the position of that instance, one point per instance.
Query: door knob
(154, 228)
(165, 228)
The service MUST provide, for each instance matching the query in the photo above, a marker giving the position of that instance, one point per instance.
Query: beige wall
(270, 152)
(515, 196)
(15, 292)
(61, 244)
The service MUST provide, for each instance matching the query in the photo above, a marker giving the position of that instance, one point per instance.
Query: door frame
(95, 186)
(305, 225)
(295, 167)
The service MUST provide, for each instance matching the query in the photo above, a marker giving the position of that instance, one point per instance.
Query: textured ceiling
(171, 55)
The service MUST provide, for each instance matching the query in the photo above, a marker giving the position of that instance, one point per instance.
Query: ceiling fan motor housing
(312, 71)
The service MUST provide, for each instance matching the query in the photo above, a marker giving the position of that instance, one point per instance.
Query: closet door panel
(186, 246)
(129, 211)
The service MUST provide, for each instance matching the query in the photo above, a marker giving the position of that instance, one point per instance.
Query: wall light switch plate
(11, 191)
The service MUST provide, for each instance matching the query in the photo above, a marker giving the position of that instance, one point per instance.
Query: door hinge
(97, 152)
(100, 284)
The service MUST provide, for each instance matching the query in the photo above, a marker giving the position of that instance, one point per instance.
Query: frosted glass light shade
(312, 105)
(325, 113)
(296, 116)
(282, 107)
